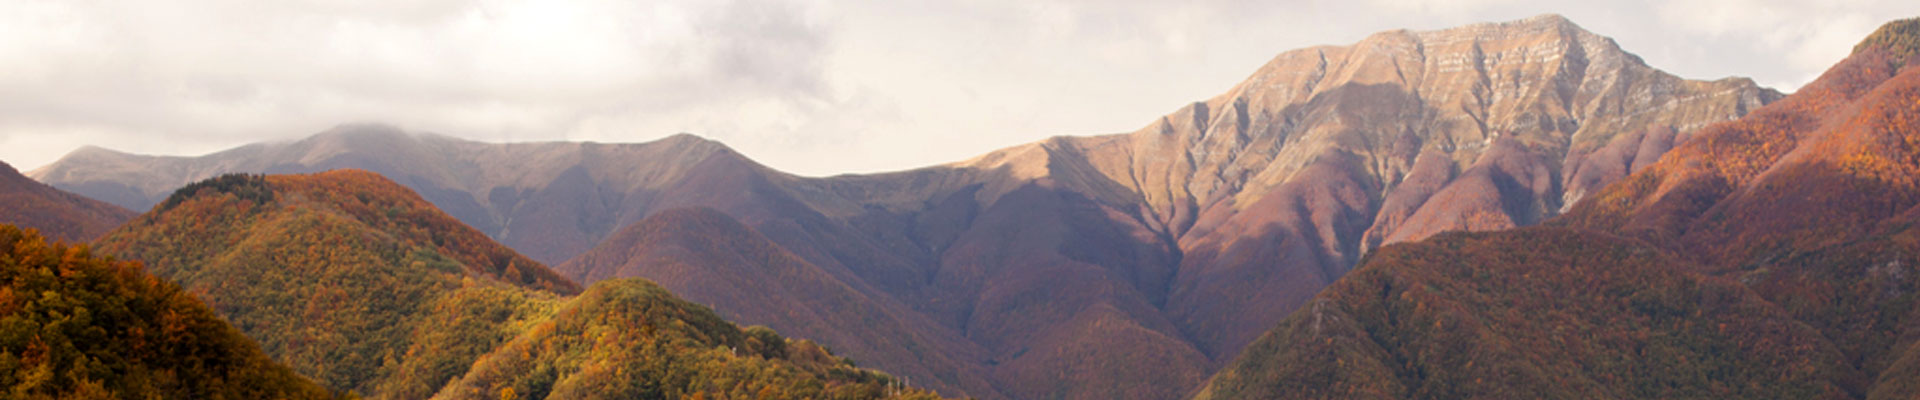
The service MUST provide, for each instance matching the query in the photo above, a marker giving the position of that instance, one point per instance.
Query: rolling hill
(56, 214)
(630, 339)
(345, 276)
(1783, 242)
(1117, 266)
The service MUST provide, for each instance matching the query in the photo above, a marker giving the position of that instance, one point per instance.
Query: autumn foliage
(633, 339)
(347, 277)
(74, 325)
(359, 283)
(1534, 313)
(1824, 230)
(1770, 257)
(388, 207)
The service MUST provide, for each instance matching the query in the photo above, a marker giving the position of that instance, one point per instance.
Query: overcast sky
(811, 87)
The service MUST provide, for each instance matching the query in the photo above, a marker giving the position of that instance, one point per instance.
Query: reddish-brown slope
(1284, 249)
(1044, 279)
(1535, 313)
(56, 214)
(707, 257)
(1811, 201)
(1796, 221)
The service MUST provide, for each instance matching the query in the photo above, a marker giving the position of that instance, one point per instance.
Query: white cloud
(1802, 37)
(809, 86)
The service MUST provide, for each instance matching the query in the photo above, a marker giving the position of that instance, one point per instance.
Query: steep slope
(74, 325)
(1190, 237)
(630, 339)
(1594, 317)
(1811, 202)
(57, 215)
(1398, 137)
(707, 257)
(345, 276)
(1806, 206)
(1124, 266)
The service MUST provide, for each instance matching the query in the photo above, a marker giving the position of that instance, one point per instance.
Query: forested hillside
(630, 339)
(75, 325)
(361, 284)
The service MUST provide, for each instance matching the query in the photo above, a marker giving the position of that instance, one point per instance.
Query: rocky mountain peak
(1543, 82)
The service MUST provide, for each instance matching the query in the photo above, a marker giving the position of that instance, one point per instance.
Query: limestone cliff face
(1539, 97)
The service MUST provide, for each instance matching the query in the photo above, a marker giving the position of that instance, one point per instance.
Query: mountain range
(1128, 265)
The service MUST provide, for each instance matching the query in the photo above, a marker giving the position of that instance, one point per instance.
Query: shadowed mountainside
(1116, 266)
(56, 214)
(1770, 257)
(700, 253)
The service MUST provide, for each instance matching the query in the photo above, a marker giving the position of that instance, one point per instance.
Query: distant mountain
(347, 277)
(56, 214)
(1117, 266)
(1770, 257)
(74, 325)
(549, 200)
